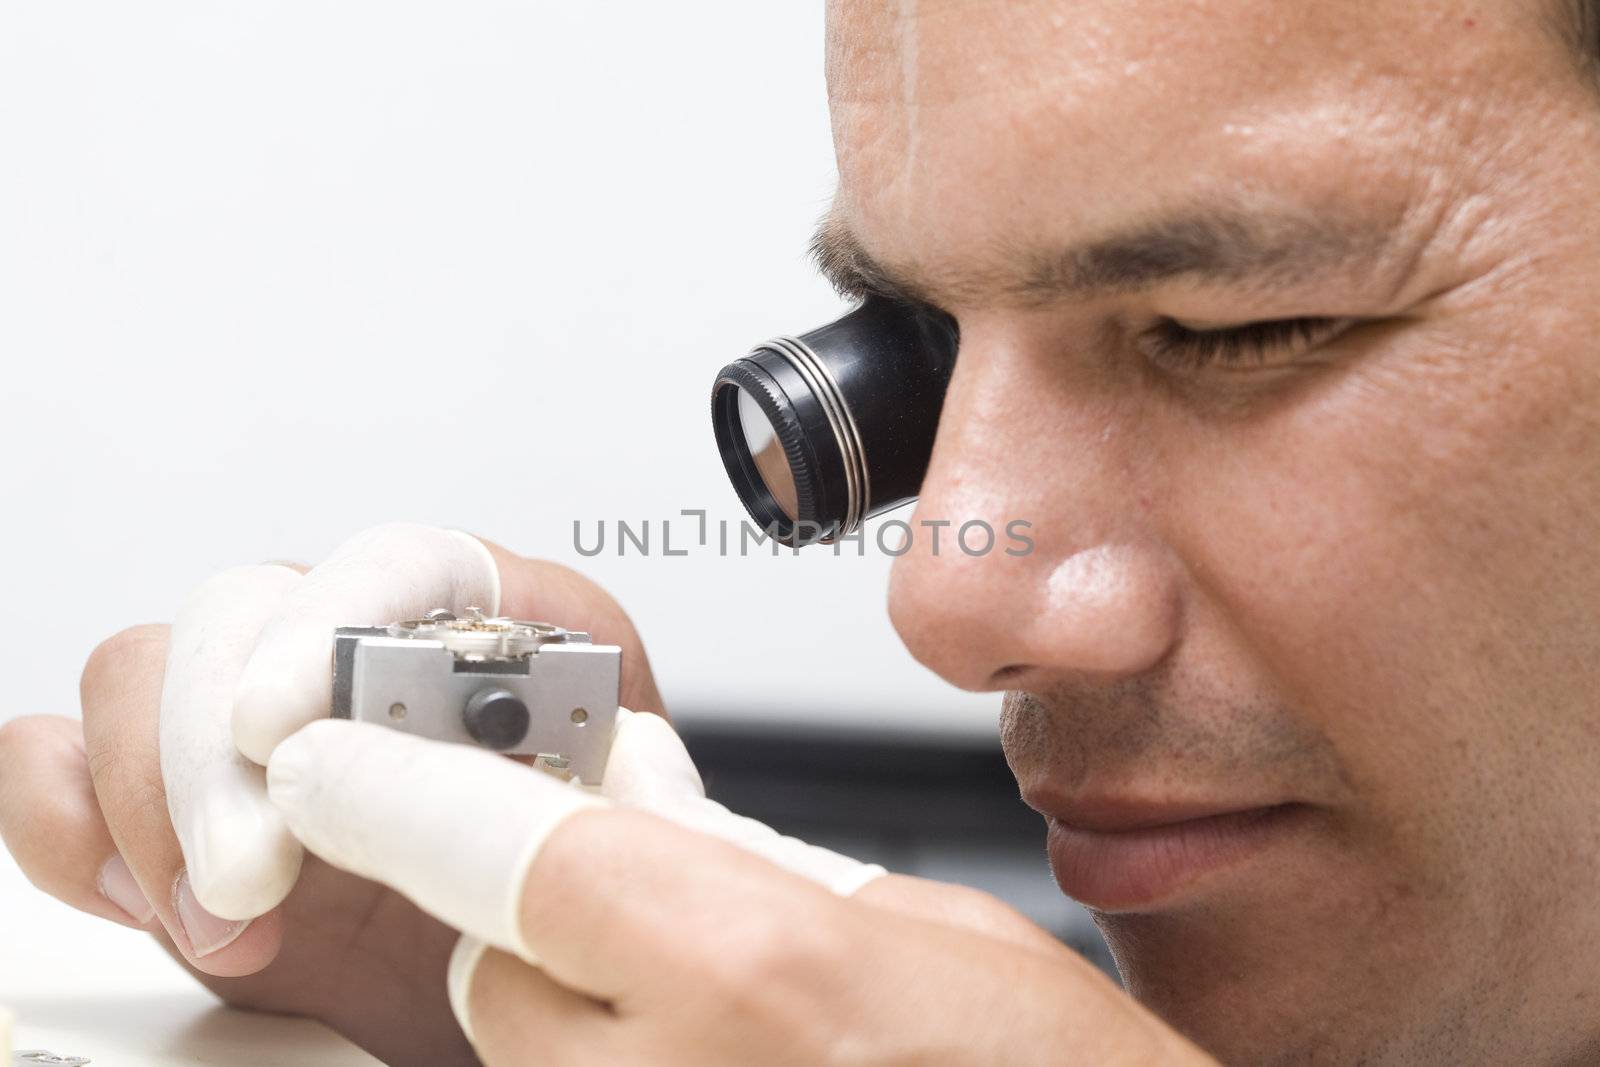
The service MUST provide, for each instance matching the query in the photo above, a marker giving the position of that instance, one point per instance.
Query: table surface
(84, 987)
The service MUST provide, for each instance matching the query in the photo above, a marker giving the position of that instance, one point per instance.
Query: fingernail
(206, 932)
(463, 961)
(117, 885)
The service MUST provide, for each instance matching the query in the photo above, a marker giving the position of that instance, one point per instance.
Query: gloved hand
(152, 812)
(625, 928)
(467, 824)
(260, 639)
(249, 663)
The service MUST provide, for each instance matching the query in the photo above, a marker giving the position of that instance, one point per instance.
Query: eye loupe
(822, 431)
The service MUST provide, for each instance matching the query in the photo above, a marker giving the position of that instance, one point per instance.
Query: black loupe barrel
(822, 431)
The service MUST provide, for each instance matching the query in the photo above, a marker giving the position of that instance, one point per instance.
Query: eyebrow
(1219, 245)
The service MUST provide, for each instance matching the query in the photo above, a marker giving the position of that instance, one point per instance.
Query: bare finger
(121, 692)
(50, 821)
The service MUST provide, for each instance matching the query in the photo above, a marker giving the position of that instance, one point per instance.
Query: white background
(272, 273)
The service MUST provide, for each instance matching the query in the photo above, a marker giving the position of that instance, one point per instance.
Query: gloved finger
(648, 766)
(242, 861)
(121, 691)
(507, 1008)
(468, 836)
(650, 769)
(50, 821)
(390, 572)
(380, 804)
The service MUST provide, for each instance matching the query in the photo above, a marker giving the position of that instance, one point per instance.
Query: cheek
(1410, 542)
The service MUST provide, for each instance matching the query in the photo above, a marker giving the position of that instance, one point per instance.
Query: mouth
(1125, 857)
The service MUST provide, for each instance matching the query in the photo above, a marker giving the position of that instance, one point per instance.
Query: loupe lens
(822, 431)
(771, 465)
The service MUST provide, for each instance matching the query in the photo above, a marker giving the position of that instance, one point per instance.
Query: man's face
(1277, 323)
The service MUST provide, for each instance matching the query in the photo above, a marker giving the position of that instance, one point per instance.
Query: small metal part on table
(34, 1056)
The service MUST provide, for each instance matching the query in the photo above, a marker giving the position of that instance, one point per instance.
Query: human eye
(1175, 345)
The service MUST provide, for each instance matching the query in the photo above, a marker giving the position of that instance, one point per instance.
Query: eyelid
(1175, 344)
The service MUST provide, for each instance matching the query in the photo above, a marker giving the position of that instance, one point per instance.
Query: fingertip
(239, 854)
(293, 772)
(277, 694)
(240, 874)
(116, 883)
(458, 980)
(248, 949)
(649, 764)
(300, 749)
(258, 716)
(490, 577)
(287, 770)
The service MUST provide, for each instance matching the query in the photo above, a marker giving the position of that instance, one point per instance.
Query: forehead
(967, 124)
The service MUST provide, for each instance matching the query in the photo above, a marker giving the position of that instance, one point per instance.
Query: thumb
(648, 767)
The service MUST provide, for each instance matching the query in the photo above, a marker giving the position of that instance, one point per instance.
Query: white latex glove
(650, 769)
(457, 829)
(250, 663)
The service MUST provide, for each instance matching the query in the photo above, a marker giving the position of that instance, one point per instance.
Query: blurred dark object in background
(935, 807)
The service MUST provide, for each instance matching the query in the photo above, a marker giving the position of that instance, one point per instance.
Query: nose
(1079, 582)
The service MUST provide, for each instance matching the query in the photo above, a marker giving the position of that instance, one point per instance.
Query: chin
(1297, 972)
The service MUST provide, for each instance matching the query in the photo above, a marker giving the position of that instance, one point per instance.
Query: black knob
(496, 718)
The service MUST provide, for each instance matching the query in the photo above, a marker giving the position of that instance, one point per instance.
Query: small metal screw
(397, 712)
(579, 716)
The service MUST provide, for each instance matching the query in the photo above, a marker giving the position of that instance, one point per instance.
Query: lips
(1124, 856)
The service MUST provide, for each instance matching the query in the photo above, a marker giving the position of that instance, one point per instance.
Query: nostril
(1007, 677)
